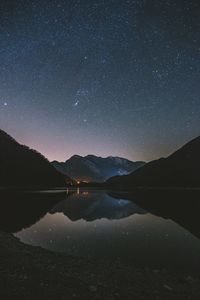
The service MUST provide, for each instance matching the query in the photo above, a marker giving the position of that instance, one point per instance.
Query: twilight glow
(101, 77)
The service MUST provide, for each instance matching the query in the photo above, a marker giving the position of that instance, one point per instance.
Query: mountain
(93, 168)
(180, 169)
(24, 167)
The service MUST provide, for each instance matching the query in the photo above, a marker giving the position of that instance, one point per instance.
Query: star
(90, 64)
(76, 103)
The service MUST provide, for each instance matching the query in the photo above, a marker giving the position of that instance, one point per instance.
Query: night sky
(103, 77)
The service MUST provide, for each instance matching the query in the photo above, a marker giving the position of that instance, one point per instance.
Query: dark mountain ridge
(180, 169)
(21, 166)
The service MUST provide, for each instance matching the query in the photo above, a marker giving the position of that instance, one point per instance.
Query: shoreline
(28, 272)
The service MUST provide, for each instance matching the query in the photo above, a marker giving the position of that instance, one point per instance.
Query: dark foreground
(28, 272)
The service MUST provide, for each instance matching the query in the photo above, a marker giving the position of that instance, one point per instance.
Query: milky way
(103, 77)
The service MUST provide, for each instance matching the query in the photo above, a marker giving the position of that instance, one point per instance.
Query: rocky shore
(28, 272)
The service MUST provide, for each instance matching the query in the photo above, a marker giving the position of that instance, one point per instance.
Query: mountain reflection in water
(93, 206)
(146, 226)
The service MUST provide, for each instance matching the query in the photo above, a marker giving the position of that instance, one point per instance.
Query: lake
(153, 229)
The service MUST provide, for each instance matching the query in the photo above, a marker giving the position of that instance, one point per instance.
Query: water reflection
(22, 209)
(146, 227)
(95, 205)
(181, 206)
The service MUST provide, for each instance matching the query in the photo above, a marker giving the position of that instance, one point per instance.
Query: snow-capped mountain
(98, 169)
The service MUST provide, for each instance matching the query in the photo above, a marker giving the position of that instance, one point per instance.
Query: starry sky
(103, 77)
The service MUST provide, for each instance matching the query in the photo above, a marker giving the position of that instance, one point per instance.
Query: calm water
(159, 230)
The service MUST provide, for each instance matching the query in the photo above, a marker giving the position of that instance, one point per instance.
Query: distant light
(5, 104)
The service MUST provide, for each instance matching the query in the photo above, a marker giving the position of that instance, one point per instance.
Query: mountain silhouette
(93, 168)
(24, 167)
(180, 169)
